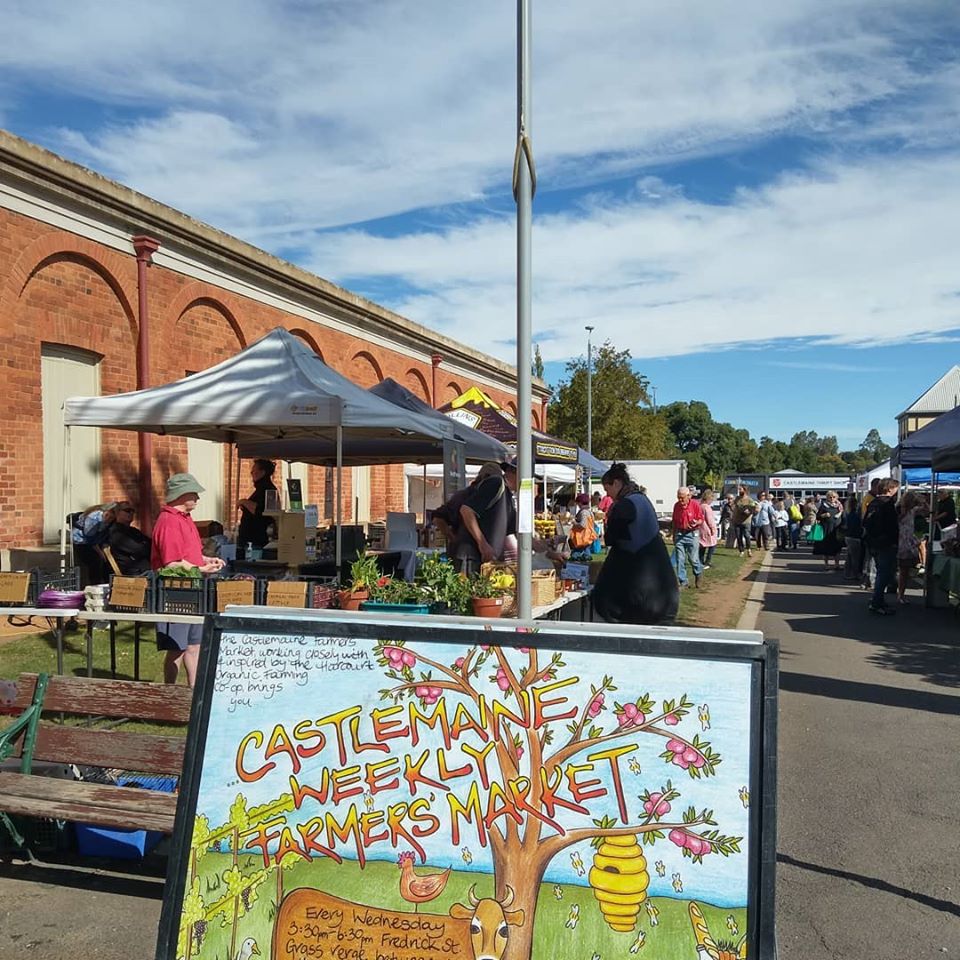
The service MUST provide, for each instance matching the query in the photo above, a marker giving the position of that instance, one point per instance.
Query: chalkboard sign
(419, 788)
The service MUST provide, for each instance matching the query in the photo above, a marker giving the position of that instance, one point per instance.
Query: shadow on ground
(924, 642)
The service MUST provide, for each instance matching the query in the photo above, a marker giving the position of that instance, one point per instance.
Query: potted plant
(487, 592)
(394, 595)
(442, 587)
(364, 572)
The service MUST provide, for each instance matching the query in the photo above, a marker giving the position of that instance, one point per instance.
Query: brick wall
(58, 288)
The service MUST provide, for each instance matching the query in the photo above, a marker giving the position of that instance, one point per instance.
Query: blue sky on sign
(758, 200)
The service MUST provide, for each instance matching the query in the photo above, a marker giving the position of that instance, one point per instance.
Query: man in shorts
(177, 540)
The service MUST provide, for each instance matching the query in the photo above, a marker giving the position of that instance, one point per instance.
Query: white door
(66, 372)
(205, 462)
(361, 494)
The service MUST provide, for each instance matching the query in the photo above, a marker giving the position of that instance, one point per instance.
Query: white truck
(661, 478)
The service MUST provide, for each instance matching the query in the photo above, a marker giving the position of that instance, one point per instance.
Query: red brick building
(103, 290)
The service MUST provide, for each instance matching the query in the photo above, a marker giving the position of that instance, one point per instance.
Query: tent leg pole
(424, 494)
(339, 497)
(928, 566)
(64, 500)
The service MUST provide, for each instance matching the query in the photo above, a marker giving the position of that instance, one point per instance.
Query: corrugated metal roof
(944, 395)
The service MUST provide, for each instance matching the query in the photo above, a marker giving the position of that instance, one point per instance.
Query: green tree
(624, 425)
(874, 447)
(537, 362)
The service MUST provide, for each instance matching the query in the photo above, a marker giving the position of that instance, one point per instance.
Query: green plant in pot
(395, 590)
(486, 595)
(364, 573)
(442, 587)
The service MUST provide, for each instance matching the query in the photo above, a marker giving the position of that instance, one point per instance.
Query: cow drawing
(490, 923)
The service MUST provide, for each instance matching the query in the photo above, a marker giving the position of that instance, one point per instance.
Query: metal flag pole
(524, 186)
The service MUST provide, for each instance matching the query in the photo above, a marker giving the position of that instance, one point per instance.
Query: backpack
(873, 526)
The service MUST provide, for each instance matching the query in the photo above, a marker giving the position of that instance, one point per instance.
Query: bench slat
(124, 807)
(92, 696)
(139, 752)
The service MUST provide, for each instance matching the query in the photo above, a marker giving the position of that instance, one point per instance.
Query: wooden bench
(34, 738)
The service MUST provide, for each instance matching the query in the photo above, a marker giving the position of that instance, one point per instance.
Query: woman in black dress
(829, 516)
(636, 584)
(253, 524)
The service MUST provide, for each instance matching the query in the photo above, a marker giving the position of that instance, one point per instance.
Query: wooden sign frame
(631, 652)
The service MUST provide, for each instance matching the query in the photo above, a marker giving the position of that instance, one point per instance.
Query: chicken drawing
(577, 862)
(248, 949)
(423, 889)
(677, 883)
(557, 891)
(653, 913)
(703, 712)
(744, 795)
(660, 868)
(634, 765)
(574, 917)
(638, 943)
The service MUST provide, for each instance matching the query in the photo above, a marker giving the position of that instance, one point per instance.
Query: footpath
(869, 769)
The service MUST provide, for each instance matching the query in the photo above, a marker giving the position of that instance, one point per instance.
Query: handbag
(795, 513)
(816, 533)
(581, 538)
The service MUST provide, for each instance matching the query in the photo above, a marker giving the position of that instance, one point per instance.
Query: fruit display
(545, 527)
(620, 880)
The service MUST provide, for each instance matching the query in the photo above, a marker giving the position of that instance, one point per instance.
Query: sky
(757, 200)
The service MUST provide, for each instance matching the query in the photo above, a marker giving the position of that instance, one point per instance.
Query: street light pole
(589, 391)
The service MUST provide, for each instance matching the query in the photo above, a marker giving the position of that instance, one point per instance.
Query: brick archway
(309, 341)
(453, 390)
(416, 383)
(58, 247)
(198, 294)
(365, 371)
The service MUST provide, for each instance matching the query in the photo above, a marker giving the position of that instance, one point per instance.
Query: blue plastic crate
(372, 606)
(116, 844)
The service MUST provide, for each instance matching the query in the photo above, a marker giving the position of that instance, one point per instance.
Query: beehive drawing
(620, 880)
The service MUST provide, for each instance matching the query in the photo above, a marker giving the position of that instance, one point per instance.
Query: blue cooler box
(123, 844)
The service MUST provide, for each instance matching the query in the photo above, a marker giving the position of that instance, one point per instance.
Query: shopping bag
(816, 533)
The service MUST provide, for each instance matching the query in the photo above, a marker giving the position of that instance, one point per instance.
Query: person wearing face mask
(636, 583)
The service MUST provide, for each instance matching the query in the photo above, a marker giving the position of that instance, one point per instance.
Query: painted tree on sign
(597, 730)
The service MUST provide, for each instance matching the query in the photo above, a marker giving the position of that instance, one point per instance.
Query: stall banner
(378, 791)
(454, 468)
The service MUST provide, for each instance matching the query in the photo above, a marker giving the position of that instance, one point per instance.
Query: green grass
(726, 568)
(37, 653)
(378, 885)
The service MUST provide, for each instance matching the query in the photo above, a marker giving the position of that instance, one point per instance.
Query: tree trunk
(523, 875)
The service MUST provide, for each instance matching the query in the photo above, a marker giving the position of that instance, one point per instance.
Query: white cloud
(848, 254)
(356, 110)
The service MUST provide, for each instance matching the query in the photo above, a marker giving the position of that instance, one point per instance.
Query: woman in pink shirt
(177, 540)
(708, 529)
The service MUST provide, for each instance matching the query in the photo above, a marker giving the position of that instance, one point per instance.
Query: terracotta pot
(487, 606)
(351, 599)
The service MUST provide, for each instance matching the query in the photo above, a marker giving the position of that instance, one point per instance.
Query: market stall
(275, 389)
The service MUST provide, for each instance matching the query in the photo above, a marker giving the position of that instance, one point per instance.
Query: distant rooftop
(944, 395)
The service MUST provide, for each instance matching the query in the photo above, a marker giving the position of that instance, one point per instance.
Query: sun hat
(179, 484)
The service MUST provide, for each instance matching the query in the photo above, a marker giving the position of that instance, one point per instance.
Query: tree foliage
(625, 427)
(624, 424)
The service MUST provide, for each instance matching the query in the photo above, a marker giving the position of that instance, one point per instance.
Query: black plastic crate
(40, 580)
(183, 595)
(149, 594)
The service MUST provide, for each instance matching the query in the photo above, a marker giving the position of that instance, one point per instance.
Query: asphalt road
(869, 771)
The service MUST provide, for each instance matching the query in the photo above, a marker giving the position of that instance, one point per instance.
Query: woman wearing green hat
(177, 540)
